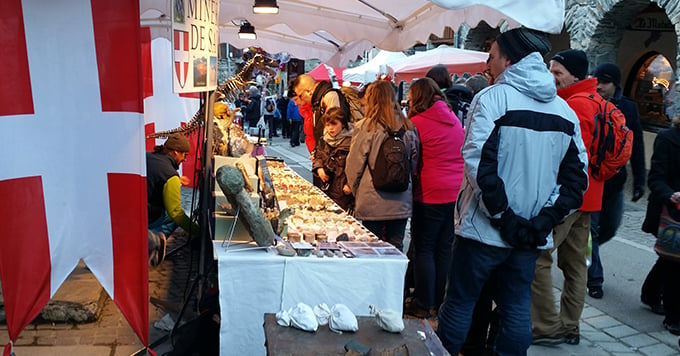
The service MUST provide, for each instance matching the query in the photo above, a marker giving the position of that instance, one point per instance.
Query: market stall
(254, 280)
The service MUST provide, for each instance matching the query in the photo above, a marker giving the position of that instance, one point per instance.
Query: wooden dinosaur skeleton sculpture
(229, 90)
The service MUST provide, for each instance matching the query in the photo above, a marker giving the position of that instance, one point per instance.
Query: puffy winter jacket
(523, 150)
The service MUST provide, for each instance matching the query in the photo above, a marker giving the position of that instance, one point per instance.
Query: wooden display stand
(417, 336)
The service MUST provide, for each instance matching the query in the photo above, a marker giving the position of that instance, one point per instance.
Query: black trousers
(295, 133)
(285, 127)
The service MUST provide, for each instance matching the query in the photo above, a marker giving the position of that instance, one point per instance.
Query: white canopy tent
(396, 25)
(368, 71)
(337, 31)
(456, 60)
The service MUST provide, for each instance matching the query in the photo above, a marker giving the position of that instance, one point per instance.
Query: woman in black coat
(661, 283)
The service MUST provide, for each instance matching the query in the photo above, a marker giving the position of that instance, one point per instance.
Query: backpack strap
(598, 127)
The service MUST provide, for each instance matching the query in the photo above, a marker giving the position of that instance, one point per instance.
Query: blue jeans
(163, 224)
(603, 226)
(432, 234)
(391, 231)
(472, 263)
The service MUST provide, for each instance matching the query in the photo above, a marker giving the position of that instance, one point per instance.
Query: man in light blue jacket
(525, 170)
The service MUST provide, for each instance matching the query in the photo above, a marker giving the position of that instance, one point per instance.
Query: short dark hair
(291, 88)
(335, 114)
(440, 74)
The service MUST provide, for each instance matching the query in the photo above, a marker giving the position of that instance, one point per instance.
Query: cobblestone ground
(169, 283)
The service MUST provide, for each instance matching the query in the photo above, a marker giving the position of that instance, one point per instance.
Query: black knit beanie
(519, 42)
(574, 60)
(177, 142)
(608, 73)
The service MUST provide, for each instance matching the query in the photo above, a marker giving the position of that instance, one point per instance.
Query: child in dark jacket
(331, 155)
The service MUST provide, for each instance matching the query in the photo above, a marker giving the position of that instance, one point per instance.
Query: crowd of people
(500, 182)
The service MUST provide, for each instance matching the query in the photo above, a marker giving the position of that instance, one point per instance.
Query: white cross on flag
(72, 176)
(181, 56)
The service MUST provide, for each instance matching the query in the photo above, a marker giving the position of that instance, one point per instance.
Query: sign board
(194, 43)
(652, 21)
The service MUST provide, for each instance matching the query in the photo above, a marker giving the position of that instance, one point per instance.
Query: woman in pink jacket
(439, 176)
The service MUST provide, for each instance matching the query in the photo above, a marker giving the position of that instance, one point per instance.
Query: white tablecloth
(255, 282)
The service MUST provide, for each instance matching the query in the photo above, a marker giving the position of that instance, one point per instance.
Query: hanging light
(265, 7)
(247, 31)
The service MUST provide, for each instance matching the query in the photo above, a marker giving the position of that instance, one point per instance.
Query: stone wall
(598, 28)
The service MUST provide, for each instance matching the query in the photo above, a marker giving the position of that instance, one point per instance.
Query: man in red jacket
(551, 326)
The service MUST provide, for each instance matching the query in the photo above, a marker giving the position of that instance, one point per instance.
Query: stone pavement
(110, 334)
(601, 334)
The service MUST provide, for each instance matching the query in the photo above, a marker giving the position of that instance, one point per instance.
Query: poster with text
(194, 43)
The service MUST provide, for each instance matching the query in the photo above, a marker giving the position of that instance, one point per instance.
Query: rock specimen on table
(231, 181)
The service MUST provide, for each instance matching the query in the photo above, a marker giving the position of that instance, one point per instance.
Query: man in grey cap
(605, 222)
(525, 170)
(163, 185)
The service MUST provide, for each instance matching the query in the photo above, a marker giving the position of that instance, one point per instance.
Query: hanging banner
(72, 87)
(194, 43)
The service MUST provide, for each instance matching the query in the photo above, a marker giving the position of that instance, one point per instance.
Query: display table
(253, 282)
(417, 337)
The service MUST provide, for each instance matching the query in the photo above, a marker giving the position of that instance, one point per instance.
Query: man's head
(477, 82)
(304, 88)
(253, 91)
(177, 146)
(608, 79)
(568, 67)
(291, 92)
(511, 46)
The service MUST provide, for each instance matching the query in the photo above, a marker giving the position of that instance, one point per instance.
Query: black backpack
(392, 171)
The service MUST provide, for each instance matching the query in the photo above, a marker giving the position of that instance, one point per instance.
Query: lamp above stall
(247, 31)
(265, 7)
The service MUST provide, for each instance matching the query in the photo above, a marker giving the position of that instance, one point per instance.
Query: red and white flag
(72, 176)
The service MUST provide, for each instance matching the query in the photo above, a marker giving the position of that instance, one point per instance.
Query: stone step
(79, 300)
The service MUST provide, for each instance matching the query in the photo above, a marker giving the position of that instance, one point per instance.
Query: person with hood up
(525, 170)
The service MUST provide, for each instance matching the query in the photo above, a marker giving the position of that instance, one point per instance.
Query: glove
(541, 226)
(515, 230)
(638, 192)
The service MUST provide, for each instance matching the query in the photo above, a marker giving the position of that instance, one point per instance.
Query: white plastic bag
(302, 317)
(322, 313)
(283, 318)
(342, 319)
(388, 319)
